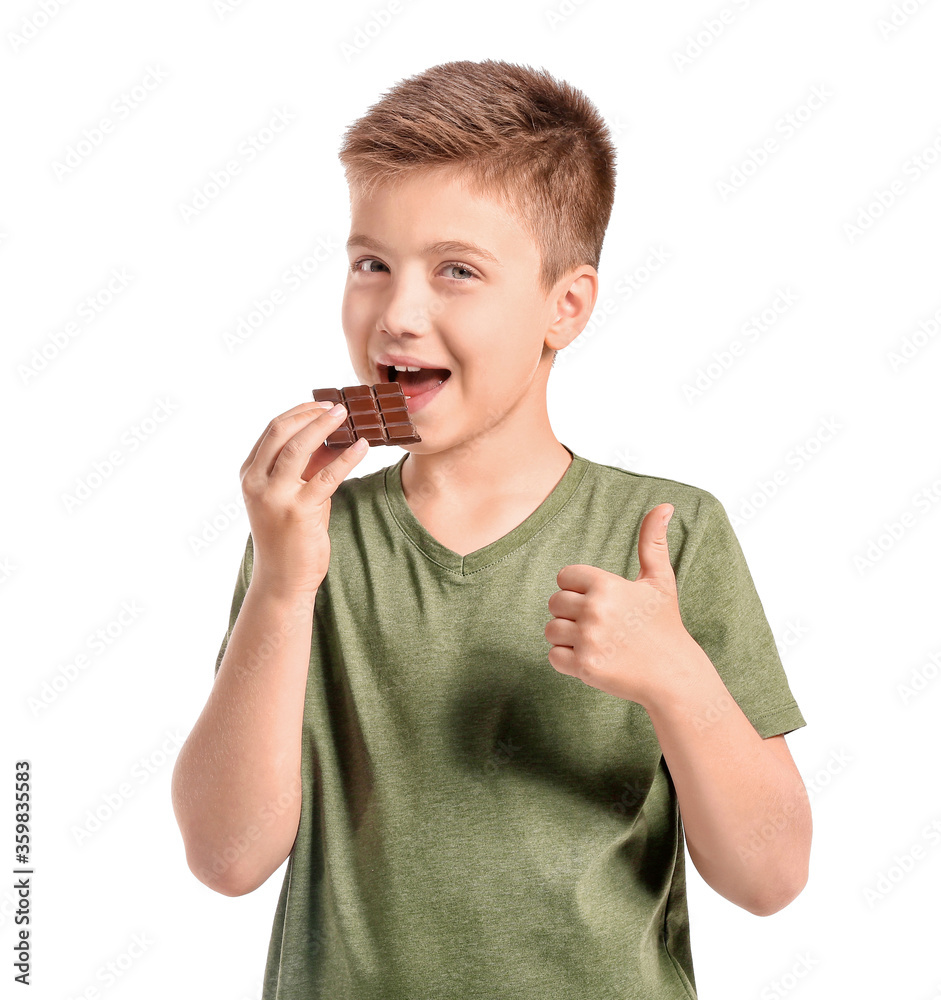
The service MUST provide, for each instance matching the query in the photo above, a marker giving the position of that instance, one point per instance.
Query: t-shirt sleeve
(241, 588)
(723, 613)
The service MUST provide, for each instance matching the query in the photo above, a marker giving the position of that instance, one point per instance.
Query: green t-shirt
(475, 824)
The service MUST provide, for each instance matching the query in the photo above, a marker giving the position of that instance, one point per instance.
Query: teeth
(405, 368)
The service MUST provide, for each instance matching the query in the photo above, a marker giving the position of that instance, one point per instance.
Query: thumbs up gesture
(624, 637)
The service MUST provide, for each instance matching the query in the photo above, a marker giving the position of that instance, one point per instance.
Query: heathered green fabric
(473, 823)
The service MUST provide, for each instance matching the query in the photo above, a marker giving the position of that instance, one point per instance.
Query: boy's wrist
(278, 592)
(692, 675)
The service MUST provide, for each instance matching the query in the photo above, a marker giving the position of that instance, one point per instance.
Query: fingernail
(337, 410)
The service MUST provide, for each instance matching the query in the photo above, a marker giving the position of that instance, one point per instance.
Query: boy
(475, 736)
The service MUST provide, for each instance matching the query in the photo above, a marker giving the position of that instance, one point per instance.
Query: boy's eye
(357, 265)
(460, 267)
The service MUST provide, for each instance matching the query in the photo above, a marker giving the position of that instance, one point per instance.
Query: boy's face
(486, 321)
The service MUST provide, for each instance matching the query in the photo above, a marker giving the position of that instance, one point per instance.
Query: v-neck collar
(480, 558)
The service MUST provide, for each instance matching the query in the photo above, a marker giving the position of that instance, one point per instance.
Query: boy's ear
(573, 307)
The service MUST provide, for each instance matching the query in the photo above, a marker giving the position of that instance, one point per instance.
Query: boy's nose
(410, 310)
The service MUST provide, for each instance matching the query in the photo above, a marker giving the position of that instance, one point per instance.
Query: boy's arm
(745, 810)
(242, 760)
(697, 664)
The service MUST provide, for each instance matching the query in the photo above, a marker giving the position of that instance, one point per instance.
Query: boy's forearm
(745, 813)
(236, 783)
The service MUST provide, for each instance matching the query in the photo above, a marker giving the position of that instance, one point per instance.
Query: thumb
(652, 549)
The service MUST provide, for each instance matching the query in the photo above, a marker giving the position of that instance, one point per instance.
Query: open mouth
(415, 383)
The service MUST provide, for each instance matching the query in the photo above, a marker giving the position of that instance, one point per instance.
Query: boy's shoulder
(690, 502)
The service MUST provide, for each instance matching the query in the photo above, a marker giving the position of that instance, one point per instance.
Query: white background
(858, 632)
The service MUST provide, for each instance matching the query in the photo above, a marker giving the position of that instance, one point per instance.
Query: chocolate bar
(377, 413)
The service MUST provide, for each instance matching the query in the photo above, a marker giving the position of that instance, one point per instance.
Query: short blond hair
(511, 132)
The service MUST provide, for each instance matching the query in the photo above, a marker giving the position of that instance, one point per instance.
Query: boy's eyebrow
(442, 246)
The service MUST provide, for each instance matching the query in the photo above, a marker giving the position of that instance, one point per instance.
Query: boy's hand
(287, 482)
(623, 637)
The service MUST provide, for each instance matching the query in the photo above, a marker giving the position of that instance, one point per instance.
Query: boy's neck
(487, 469)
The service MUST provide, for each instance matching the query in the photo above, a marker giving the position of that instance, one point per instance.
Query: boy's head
(489, 153)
